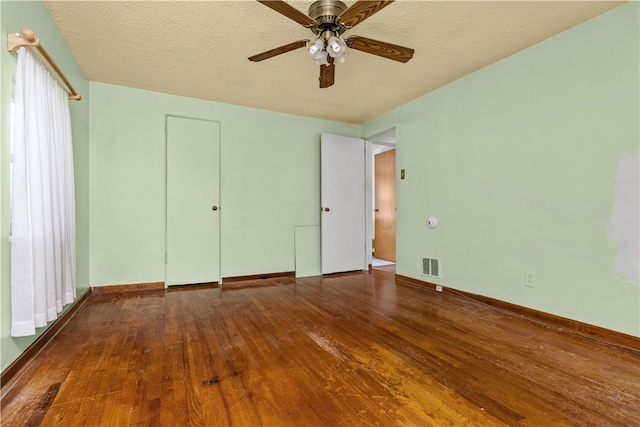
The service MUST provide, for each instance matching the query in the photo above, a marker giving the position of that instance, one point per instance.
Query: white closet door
(193, 189)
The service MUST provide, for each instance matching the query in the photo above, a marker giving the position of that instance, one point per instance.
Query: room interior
(516, 124)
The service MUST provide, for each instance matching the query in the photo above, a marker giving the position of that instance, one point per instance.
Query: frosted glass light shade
(318, 45)
(320, 57)
(336, 47)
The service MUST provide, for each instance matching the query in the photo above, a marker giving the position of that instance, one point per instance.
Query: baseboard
(13, 370)
(561, 323)
(234, 279)
(192, 287)
(135, 287)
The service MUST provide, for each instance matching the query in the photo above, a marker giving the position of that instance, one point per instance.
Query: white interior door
(193, 215)
(343, 203)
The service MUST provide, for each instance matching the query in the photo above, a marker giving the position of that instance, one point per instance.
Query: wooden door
(385, 206)
(193, 215)
(342, 203)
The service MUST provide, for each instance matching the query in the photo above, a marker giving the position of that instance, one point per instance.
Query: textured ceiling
(200, 49)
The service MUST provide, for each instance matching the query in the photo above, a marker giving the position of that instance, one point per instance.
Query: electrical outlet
(438, 288)
(528, 280)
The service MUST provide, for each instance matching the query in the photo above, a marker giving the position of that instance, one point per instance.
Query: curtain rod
(28, 39)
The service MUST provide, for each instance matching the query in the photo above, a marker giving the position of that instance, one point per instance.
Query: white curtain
(42, 199)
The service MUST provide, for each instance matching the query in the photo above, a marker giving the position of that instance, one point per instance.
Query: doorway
(343, 229)
(383, 227)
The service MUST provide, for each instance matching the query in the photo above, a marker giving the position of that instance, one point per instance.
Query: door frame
(369, 178)
(166, 179)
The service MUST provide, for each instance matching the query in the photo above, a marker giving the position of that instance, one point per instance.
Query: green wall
(518, 162)
(269, 184)
(33, 14)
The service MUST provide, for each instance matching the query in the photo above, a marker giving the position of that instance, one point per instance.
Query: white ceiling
(200, 48)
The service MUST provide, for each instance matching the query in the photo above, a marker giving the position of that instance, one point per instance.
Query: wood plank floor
(348, 350)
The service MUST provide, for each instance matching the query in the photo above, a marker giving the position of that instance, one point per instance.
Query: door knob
(214, 207)
(327, 209)
(377, 210)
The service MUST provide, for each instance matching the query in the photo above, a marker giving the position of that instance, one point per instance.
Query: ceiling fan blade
(278, 51)
(327, 73)
(289, 11)
(361, 10)
(375, 47)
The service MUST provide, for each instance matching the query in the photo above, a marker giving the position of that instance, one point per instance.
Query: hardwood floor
(345, 350)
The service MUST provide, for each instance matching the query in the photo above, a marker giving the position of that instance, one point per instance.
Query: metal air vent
(430, 267)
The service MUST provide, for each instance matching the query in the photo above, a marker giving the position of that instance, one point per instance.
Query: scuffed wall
(624, 223)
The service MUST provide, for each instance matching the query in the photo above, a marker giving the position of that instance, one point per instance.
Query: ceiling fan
(328, 19)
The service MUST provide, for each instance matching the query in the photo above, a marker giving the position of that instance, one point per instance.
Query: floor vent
(430, 267)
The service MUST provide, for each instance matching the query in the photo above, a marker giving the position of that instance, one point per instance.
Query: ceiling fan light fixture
(320, 57)
(328, 20)
(317, 46)
(336, 47)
